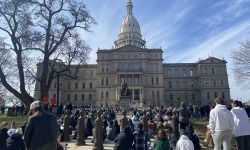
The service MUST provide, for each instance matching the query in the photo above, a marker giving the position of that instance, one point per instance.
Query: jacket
(3, 138)
(242, 124)
(123, 142)
(41, 129)
(184, 113)
(184, 144)
(161, 145)
(15, 142)
(221, 119)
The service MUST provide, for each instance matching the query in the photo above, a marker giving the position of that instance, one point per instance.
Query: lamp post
(57, 89)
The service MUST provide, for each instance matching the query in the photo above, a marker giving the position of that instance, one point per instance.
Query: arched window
(107, 95)
(83, 97)
(107, 81)
(102, 82)
(75, 97)
(90, 96)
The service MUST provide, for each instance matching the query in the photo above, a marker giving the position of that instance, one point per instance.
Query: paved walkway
(108, 145)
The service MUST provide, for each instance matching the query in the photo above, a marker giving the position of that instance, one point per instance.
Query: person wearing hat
(15, 141)
(41, 129)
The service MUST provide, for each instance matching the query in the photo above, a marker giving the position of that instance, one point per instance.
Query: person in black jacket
(15, 141)
(124, 140)
(184, 115)
(193, 137)
(3, 136)
(41, 130)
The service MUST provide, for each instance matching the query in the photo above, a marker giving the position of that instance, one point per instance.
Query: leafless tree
(241, 64)
(44, 32)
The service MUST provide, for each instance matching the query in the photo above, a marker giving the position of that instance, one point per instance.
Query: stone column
(81, 130)
(66, 126)
(145, 121)
(124, 121)
(98, 143)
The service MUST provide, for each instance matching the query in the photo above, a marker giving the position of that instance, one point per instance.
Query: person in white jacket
(242, 126)
(221, 124)
(184, 143)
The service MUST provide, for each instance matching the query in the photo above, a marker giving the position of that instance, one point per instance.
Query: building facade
(150, 81)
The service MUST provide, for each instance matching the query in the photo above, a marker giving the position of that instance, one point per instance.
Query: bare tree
(44, 32)
(241, 63)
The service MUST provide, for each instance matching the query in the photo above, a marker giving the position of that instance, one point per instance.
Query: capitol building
(149, 80)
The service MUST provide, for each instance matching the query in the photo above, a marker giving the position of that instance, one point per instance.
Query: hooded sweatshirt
(221, 119)
(184, 144)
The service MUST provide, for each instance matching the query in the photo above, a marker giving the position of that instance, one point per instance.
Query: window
(158, 95)
(223, 95)
(101, 95)
(177, 72)
(76, 85)
(75, 97)
(191, 73)
(68, 97)
(102, 82)
(184, 71)
(192, 84)
(215, 94)
(208, 96)
(221, 82)
(102, 69)
(83, 96)
(90, 96)
(186, 96)
(207, 84)
(153, 94)
(185, 84)
(107, 95)
(214, 83)
(107, 81)
(83, 85)
(213, 71)
(193, 96)
(157, 81)
(54, 95)
(168, 72)
(178, 84)
(90, 85)
(136, 79)
(171, 96)
(152, 81)
(69, 85)
(170, 84)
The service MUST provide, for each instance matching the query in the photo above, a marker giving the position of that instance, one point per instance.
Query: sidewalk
(108, 145)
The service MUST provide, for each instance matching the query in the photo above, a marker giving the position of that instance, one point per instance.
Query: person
(242, 126)
(124, 140)
(15, 141)
(3, 135)
(221, 124)
(12, 129)
(140, 139)
(193, 137)
(41, 129)
(208, 138)
(184, 115)
(111, 131)
(171, 138)
(184, 143)
(161, 141)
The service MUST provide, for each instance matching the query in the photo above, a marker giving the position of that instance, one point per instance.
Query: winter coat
(184, 113)
(161, 144)
(3, 137)
(123, 142)
(15, 142)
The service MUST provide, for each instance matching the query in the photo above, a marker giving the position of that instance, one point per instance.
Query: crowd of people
(156, 128)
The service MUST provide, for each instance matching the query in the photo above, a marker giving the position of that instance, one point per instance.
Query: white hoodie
(221, 119)
(184, 143)
(242, 124)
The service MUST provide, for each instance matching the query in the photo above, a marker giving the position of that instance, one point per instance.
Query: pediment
(211, 60)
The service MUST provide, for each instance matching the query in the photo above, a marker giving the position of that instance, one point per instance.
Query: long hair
(161, 134)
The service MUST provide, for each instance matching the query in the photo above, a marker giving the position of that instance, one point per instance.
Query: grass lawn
(19, 120)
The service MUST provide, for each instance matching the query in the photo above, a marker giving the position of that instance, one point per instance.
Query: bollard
(81, 129)
(98, 143)
(145, 121)
(124, 121)
(66, 126)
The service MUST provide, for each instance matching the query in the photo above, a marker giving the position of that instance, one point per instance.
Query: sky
(186, 30)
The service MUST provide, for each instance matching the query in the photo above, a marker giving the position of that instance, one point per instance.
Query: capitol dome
(130, 32)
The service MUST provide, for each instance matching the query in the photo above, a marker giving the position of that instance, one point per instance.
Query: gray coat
(41, 129)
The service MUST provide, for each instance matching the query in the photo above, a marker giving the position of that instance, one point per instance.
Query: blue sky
(186, 30)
